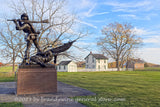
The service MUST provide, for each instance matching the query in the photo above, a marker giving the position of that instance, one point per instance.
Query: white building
(67, 66)
(96, 62)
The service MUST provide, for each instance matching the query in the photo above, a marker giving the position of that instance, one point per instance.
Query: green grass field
(11, 104)
(6, 74)
(7, 77)
(113, 89)
(117, 89)
(150, 69)
(7, 68)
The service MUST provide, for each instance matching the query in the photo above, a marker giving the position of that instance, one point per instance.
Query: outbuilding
(67, 66)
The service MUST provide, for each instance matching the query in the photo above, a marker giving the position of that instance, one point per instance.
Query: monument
(35, 75)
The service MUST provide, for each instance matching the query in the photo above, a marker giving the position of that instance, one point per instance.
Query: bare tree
(61, 22)
(53, 34)
(12, 44)
(119, 42)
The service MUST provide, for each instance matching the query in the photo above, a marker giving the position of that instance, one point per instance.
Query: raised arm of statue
(23, 26)
(20, 23)
(19, 26)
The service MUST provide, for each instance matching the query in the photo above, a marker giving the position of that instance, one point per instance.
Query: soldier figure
(41, 57)
(31, 36)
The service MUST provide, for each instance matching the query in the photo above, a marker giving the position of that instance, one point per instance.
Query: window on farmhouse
(104, 61)
(104, 66)
(98, 60)
(98, 66)
(59, 67)
(86, 66)
(64, 67)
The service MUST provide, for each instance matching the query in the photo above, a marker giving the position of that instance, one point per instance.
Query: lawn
(6, 68)
(150, 69)
(11, 104)
(117, 89)
(113, 89)
(6, 74)
(7, 77)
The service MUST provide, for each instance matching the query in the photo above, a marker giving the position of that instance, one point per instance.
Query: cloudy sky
(144, 15)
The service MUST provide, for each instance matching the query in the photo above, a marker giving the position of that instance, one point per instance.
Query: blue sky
(144, 15)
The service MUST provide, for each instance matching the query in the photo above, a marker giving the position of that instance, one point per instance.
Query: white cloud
(139, 31)
(101, 13)
(85, 4)
(141, 10)
(134, 6)
(146, 32)
(85, 44)
(95, 14)
(88, 13)
(148, 35)
(150, 55)
(130, 6)
(154, 39)
(147, 16)
(126, 16)
(79, 5)
(85, 23)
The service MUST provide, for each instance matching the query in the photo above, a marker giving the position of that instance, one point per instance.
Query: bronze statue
(44, 57)
(32, 35)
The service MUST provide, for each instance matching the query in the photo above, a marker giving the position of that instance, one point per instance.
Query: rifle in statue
(42, 57)
(28, 21)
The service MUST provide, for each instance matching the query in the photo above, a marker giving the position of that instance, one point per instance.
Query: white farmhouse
(97, 62)
(67, 66)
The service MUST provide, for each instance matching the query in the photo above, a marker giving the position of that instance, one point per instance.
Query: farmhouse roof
(64, 62)
(138, 61)
(97, 56)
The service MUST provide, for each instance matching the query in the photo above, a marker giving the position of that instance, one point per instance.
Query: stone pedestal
(33, 79)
